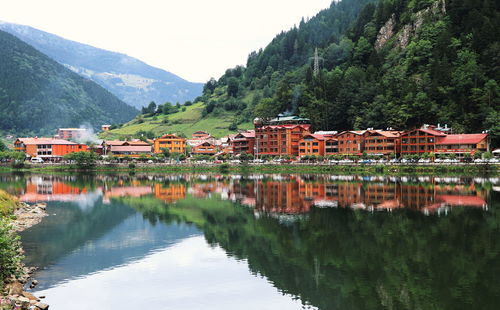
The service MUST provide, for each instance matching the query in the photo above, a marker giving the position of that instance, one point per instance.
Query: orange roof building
(47, 148)
(173, 143)
(132, 148)
(351, 142)
(204, 148)
(312, 144)
(243, 142)
(280, 136)
(462, 143)
(380, 142)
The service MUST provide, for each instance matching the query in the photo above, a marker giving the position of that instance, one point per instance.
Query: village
(282, 139)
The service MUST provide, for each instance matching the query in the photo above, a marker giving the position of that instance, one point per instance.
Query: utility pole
(316, 59)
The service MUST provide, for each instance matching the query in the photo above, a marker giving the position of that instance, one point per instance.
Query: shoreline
(14, 294)
(386, 169)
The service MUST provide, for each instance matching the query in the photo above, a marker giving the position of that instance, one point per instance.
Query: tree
(83, 160)
(3, 147)
(233, 86)
(166, 152)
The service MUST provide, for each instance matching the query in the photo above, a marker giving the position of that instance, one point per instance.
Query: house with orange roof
(201, 135)
(243, 142)
(280, 136)
(382, 142)
(173, 143)
(205, 148)
(462, 144)
(312, 144)
(132, 148)
(47, 148)
(351, 142)
(420, 140)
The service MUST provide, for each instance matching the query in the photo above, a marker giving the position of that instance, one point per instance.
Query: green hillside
(388, 63)
(38, 95)
(181, 122)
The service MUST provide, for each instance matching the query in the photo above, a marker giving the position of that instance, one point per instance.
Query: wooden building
(280, 136)
(132, 148)
(421, 140)
(382, 142)
(47, 148)
(312, 144)
(201, 135)
(205, 148)
(243, 142)
(171, 142)
(351, 142)
(462, 144)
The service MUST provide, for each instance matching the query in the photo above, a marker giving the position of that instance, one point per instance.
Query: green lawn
(185, 122)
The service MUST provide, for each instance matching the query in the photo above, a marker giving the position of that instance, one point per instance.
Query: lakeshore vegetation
(9, 242)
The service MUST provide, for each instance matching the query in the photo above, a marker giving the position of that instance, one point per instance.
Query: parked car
(438, 160)
(150, 161)
(394, 160)
(424, 161)
(494, 160)
(37, 160)
(259, 161)
(236, 161)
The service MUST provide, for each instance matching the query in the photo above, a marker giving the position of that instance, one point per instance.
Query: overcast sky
(195, 39)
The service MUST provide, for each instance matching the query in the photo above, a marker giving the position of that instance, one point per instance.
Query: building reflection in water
(276, 194)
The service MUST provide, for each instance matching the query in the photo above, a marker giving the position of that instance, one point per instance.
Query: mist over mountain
(39, 95)
(130, 79)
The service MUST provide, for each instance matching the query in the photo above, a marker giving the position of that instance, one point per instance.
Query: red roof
(248, 134)
(387, 134)
(28, 141)
(131, 142)
(427, 130)
(131, 148)
(474, 138)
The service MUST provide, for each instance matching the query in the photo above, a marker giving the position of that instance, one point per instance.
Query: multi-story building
(331, 146)
(280, 136)
(312, 144)
(47, 148)
(132, 148)
(351, 142)
(462, 144)
(243, 142)
(173, 143)
(421, 140)
(382, 142)
(71, 133)
(204, 148)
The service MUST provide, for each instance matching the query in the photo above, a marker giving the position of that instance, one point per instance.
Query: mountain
(386, 63)
(38, 95)
(222, 112)
(131, 80)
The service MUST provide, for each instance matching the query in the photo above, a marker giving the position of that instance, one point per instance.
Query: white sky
(195, 39)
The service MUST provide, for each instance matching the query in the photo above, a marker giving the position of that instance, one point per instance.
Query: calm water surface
(263, 241)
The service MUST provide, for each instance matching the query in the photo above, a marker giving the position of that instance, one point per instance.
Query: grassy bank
(9, 242)
(287, 168)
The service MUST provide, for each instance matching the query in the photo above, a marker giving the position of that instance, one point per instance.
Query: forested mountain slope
(38, 95)
(130, 79)
(386, 63)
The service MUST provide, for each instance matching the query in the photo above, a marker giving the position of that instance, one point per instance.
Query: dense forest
(386, 63)
(38, 95)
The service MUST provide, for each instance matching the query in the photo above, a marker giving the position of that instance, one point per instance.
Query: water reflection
(317, 238)
(286, 194)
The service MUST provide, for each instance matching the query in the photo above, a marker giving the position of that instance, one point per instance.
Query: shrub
(131, 166)
(9, 252)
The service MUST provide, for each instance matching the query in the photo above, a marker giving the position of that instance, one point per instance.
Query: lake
(210, 241)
